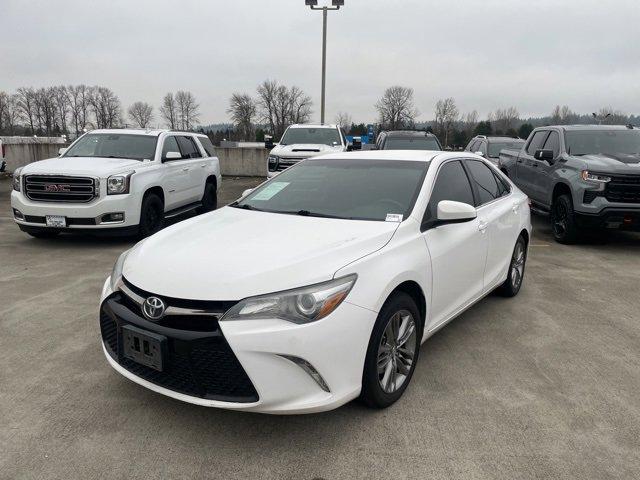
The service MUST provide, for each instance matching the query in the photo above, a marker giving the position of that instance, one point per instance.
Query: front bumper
(335, 346)
(610, 218)
(81, 217)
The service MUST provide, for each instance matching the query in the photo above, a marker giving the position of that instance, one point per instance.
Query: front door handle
(515, 206)
(185, 169)
(482, 226)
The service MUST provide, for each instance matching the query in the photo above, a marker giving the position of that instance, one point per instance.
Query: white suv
(304, 141)
(117, 181)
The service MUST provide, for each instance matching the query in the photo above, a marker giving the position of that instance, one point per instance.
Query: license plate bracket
(143, 347)
(57, 221)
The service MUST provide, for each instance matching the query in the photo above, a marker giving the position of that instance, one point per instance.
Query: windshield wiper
(245, 206)
(307, 213)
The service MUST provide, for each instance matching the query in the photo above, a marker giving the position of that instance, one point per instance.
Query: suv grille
(623, 189)
(285, 163)
(50, 188)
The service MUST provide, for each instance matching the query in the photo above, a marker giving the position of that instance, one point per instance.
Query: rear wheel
(512, 284)
(151, 215)
(563, 220)
(392, 353)
(209, 199)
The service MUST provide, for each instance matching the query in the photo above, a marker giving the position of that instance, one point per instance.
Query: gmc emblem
(57, 188)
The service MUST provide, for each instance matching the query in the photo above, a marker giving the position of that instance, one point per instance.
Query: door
(541, 176)
(458, 251)
(497, 208)
(192, 157)
(526, 165)
(175, 175)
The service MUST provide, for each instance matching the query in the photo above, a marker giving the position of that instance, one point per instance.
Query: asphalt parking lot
(545, 385)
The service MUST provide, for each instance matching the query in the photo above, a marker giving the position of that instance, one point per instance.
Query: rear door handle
(515, 206)
(482, 226)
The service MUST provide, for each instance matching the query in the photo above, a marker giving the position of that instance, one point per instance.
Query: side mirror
(173, 156)
(455, 212)
(546, 155)
(356, 144)
(61, 151)
(479, 153)
(247, 192)
(268, 142)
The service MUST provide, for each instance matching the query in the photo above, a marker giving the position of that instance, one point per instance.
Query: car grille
(623, 189)
(285, 163)
(199, 364)
(51, 188)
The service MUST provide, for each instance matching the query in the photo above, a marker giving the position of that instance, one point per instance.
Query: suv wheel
(151, 215)
(209, 199)
(392, 353)
(512, 284)
(563, 221)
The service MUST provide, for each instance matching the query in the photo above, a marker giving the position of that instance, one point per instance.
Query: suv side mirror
(61, 151)
(356, 144)
(268, 142)
(479, 153)
(544, 155)
(172, 156)
(247, 192)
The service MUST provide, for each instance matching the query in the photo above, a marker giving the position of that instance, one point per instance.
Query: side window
(485, 182)
(537, 141)
(502, 185)
(170, 145)
(471, 147)
(553, 143)
(482, 147)
(208, 146)
(453, 184)
(188, 148)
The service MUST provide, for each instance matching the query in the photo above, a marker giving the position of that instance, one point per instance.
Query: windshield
(110, 145)
(411, 143)
(348, 189)
(495, 147)
(588, 142)
(318, 136)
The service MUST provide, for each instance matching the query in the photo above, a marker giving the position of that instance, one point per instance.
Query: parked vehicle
(407, 140)
(318, 286)
(117, 181)
(305, 141)
(584, 176)
(490, 147)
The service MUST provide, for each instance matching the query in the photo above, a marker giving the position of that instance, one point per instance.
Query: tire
(563, 221)
(151, 215)
(209, 199)
(512, 284)
(398, 309)
(43, 235)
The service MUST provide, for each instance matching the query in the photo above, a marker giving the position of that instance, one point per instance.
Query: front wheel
(512, 284)
(392, 353)
(151, 215)
(209, 199)
(563, 220)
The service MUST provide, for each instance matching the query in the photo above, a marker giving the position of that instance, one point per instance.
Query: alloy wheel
(560, 219)
(517, 265)
(396, 352)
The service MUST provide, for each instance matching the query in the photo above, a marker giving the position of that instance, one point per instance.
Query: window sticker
(270, 191)
(394, 217)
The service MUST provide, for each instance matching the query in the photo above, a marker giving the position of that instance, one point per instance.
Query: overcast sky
(486, 54)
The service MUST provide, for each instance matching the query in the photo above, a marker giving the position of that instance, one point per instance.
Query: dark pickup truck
(584, 176)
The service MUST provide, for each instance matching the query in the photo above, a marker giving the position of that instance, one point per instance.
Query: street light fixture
(335, 5)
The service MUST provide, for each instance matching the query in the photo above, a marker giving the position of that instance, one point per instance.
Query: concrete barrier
(243, 162)
(19, 151)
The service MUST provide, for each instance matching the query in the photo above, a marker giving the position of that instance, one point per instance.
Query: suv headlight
(116, 273)
(587, 176)
(17, 179)
(273, 162)
(301, 305)
(119, 184)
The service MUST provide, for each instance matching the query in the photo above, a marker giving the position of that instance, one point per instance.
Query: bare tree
(446, 115)
(105, 106)
(4, 106)
(141, 113)
(169, 111)
(300, 106)
(188, 110)
(12, 114)
(470, 121)
(563, 115)
(242, 110)
(46, 109)
(62, 103)
(27, 105)
(505, 119)
(279, 106)
(609, 116)
(344, 121)
(396, 108)
(79, 106)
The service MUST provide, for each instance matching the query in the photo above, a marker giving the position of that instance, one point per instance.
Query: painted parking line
(540, 245)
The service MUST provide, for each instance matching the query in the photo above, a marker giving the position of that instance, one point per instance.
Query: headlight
(17, 179)
(118, 184)
(301, 305)
(116, 273)
(273, 162)
(594, 177)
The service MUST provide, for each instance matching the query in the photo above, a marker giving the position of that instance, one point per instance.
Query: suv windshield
(411, 143)
(349, 189)
(495, 147)
(113, 145)
(318, 136)
(588, 142)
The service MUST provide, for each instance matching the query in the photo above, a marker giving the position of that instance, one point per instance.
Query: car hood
(92, 166)
(231, 254)
(613, 162)
(304, 150)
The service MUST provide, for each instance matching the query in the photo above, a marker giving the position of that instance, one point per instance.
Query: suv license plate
(56, 221)
(143, 347)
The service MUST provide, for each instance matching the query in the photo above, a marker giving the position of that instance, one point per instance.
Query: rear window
(411, 143)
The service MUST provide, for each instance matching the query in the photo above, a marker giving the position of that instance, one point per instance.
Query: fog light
(309, 370)
(116, 217)
(18, 214)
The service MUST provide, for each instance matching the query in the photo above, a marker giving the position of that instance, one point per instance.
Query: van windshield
(110, 145)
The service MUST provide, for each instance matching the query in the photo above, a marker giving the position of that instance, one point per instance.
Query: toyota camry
(319, 286)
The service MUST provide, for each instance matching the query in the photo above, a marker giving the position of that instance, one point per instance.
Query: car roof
(407, 133)
(506, 139)
(591, 127)
(408, 155)
(313, 125)
(152, 132)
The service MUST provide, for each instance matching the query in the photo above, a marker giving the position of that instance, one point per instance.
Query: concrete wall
(243, 162)
(18, 151)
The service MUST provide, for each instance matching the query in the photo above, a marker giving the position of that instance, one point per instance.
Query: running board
(539, 210)
(181, 210)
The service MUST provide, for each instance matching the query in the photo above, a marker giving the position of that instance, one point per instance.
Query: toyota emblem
(153, 308)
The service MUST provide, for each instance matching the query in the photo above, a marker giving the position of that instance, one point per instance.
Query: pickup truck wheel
(512, 284)
(209, 199)
(151, 215)
(563, 221)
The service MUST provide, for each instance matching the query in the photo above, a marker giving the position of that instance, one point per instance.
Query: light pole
(335, 5)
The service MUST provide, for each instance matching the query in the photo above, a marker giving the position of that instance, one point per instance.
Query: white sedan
(317, 287)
